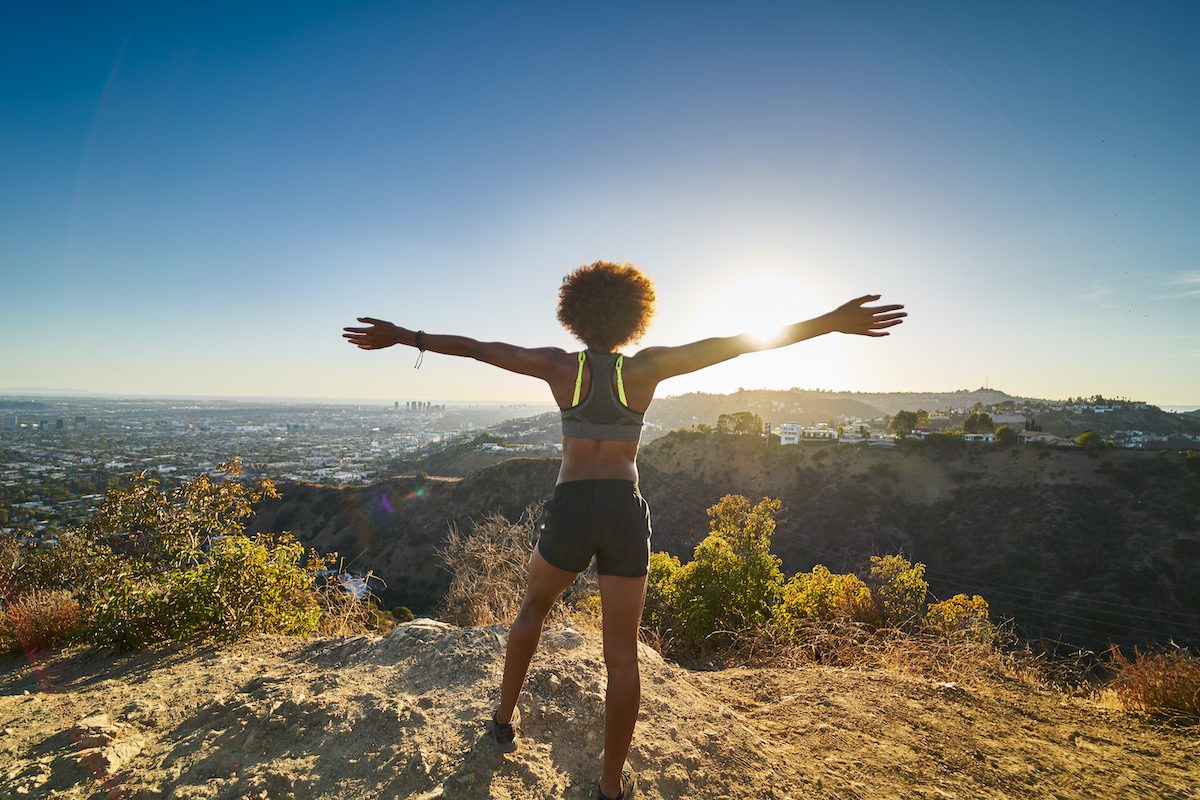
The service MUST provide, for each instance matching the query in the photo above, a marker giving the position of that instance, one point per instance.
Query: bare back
(593, 459)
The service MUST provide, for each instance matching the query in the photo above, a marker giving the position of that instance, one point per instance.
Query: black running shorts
(608, 519)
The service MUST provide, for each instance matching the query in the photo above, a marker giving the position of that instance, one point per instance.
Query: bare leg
(546, 583)
(621, 601)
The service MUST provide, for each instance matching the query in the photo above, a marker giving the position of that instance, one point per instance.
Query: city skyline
(198, 198)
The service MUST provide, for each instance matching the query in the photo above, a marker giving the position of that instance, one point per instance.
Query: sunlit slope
(1082, 549)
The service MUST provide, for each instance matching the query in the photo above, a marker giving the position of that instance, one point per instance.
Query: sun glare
(762, 305)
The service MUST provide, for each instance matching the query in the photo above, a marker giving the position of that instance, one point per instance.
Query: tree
(905, 422)
(1032, 424)
(979, 422)
(1092, 443)
(742, 422)
(733, 581)
(1006, 435)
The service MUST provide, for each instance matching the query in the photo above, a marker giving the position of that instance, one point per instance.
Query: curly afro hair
(606, 305)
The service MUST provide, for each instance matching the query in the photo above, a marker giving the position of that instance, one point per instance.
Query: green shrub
(899, 587)
(1092, 443)
(660, 607)
(155, 565)
(1005, 435)
(731, 599)
(961, 617)
(733, 581)
(244, 584)
(822, 596)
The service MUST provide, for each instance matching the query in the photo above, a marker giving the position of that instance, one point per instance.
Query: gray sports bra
(603, 414)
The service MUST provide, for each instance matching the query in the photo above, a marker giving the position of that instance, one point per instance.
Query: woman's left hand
(859, 318)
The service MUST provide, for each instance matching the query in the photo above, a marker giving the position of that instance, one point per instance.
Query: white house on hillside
(1029, 437)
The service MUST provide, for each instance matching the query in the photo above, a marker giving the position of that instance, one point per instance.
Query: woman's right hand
(379, 335)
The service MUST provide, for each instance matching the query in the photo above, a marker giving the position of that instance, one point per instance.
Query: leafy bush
(731, 599)
(243, 584)
(733, 580)
(900, 587)
(1157, 683)
(39, 620)
(1005, 435)
(1092, 443)
(961, 617)
(659, 610)
(824, 596)
(152, 565)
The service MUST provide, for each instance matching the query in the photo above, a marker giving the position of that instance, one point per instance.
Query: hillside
(403, 716)
(392, 527)
(1181, 429)
(774, 406)
(1079, 549)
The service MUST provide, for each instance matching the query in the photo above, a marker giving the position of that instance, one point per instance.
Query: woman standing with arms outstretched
(597, 510)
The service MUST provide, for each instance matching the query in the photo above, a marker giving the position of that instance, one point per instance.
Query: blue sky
(195, 198)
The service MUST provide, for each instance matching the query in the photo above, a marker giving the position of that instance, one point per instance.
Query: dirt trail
(403, 716)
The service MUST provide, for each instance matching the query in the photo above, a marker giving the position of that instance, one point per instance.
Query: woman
(597, 509)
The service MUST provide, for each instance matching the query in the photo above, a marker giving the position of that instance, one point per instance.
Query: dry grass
(39, 620)
(342, 614)
(490, 568)
(1157, 683)
(844, 642)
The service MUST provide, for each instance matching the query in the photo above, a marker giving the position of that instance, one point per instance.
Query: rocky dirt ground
(403, 716)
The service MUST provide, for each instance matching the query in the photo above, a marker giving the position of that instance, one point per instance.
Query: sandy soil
(403, 716)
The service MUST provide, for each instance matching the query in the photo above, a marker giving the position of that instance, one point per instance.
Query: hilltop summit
(403, 716)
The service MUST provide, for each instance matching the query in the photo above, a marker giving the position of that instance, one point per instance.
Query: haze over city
(197, 198)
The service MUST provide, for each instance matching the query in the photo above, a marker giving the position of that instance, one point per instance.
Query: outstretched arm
(853, 317)
(539, 362)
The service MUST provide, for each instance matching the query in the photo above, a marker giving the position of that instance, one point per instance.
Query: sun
(762, 304)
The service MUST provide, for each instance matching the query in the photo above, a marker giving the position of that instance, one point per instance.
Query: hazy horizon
(67, 394)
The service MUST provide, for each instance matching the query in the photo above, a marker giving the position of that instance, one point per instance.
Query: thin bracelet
(420, 357)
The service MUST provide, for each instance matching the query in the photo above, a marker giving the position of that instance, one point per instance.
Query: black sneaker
(628, 788)
(503, 733)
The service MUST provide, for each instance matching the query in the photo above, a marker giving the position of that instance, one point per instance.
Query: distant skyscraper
(10, 423)
(80, 423)
(58, 426)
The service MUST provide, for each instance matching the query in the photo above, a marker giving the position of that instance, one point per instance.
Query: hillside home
(789, 433)
(1029, 437)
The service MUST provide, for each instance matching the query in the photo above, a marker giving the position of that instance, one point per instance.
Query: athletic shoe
(628, 788)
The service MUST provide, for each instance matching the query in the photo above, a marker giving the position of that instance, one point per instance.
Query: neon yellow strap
(578, 381)
(621, 383)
